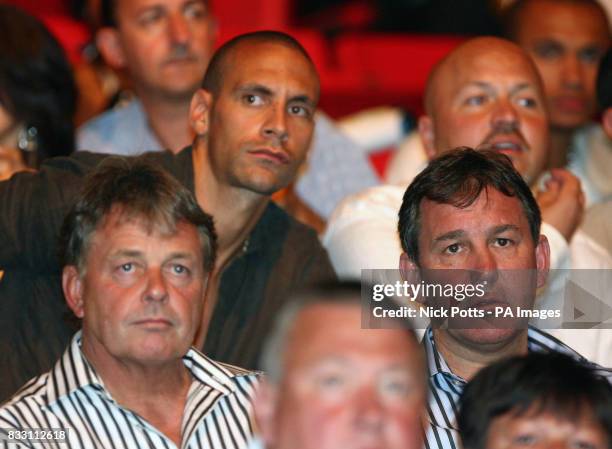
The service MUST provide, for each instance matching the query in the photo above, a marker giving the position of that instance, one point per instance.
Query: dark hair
(141, 191)
(604, 81)
(458, 177)
(551, 382)
(216, 67)
(36, 83)
(107, 13)
(512, 15)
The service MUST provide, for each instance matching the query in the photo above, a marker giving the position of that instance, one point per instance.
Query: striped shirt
(445, 388)
(218, 410)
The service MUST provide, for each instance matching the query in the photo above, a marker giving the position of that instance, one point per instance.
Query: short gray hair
(141, 190)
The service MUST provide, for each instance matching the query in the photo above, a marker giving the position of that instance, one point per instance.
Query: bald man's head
(487, 91)
(225, 57)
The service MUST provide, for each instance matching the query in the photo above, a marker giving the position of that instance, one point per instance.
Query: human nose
(572, 72)
(156, 288)
(484, 265)
(369, 410)
(178, 29)
(504, 115)
(275, 126)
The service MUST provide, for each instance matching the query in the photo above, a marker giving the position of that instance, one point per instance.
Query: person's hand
(562, 202)
(10, 162)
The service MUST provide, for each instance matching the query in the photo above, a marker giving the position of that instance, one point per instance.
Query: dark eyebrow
(265, 91)
(302, 99)
(255, 88)
(452, 235)
(504, 228)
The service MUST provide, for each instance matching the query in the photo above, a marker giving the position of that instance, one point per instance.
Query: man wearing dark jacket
(253, 121)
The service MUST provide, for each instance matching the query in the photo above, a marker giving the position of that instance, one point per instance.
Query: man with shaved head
(253, 120)
(486, 93)
(566, 40)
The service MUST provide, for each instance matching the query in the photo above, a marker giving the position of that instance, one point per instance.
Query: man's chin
(486, 340)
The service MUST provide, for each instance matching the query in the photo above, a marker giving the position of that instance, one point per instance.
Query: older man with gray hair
(137, 251)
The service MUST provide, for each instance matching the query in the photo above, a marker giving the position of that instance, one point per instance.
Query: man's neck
(560, 143)
(169, 120)
(158, 393)
(465, 361)
(236, 211)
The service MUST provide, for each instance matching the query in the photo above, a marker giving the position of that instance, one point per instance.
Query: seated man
(335, 385)
(486, 93)
(137, 253)
(539, 400)
(597, 223)
(566, 40)
(470, 212)
(253, 121)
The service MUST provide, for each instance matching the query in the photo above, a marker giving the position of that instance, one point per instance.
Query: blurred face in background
(165, 45)
(11, 160)
(566, 40)
(347, 387)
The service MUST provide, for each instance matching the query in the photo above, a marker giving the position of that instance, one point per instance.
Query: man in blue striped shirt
(470, 216)
(137, 252)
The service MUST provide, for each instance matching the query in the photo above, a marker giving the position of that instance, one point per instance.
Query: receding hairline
(478, 46)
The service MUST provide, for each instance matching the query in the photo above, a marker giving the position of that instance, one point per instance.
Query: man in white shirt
(137, 253)
(487, 93)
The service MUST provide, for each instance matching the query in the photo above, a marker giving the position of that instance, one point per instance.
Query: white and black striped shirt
(445, 388)
(218, 411)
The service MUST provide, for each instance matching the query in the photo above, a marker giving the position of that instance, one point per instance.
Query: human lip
(570, 103)
(153, 323)
(273, 155)
(508, 145)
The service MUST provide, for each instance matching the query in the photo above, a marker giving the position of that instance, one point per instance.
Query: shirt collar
(73, 372)
(537, 341)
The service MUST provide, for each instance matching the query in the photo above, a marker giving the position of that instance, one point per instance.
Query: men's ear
(110, 47)
(427, 134)
(199, 112)
(542, 260)
(408, 269)
(606, 122)
(72, 284)
(265, 411)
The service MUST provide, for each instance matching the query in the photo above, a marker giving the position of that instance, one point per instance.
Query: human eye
(525, 439)
(150, 17)
(527, 102)
(503, 242)
(180, 269)
(396, 386)
(300, 110)
(475, 100)
(548, 50)
(582, 444)
(127, 267)
(195, 10)
(590, 55)
(453, 249)
(253, 100)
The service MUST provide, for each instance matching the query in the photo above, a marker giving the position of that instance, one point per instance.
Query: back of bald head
(461, 56)
(213, 79)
